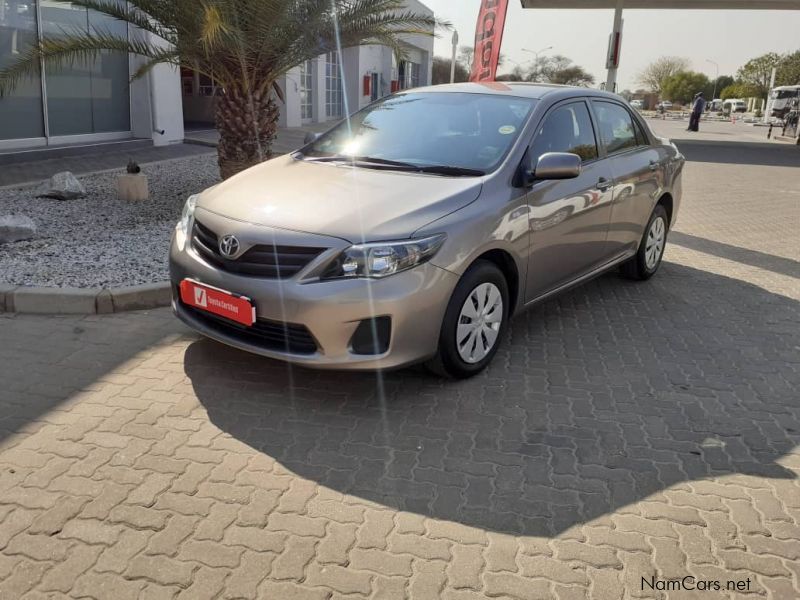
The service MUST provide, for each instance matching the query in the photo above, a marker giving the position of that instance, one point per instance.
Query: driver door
(569, 219)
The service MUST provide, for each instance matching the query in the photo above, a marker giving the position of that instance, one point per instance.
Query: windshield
(783, 94)
(466, 131)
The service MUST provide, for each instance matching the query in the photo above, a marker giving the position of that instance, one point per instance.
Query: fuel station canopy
(615, 40)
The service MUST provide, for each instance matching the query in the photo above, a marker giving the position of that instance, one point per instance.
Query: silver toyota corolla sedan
(416, 229)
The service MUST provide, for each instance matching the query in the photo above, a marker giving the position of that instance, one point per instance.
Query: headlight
(188, 213)
(382, 259)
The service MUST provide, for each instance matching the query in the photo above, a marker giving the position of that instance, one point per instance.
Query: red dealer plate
(219, 302)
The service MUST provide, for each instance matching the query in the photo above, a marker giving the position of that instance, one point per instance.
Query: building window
(334, 96)
(17, 35)
(307, 90)
(408, 74)
(85, 96)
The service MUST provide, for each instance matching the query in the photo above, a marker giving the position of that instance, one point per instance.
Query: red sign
(217, 301)
(488, 37)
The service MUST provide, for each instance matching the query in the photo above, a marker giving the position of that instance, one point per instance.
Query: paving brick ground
(624, 431)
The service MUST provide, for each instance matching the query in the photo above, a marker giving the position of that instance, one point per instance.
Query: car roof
(520, 89)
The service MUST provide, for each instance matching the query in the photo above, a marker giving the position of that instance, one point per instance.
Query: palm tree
(243, 45)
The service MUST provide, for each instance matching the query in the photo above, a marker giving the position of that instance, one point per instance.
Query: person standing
(698, 108)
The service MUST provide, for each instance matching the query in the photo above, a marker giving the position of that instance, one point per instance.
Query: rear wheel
(651, 249)
(474, 322)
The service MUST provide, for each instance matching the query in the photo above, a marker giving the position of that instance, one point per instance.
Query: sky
(728, 37)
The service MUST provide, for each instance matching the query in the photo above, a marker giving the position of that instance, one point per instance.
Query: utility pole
(768, 108)
(453, 60)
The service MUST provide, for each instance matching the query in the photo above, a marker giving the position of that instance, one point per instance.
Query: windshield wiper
(363, 161)
(450, 170)
(373, 162)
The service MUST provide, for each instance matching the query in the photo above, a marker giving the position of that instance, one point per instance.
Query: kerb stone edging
(83, 301)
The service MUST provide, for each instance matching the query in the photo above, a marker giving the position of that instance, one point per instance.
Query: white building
(95, 103)
(315, 92)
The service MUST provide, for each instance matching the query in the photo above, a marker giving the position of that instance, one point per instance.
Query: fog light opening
(372, 337)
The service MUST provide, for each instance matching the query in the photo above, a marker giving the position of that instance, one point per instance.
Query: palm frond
(246, 43)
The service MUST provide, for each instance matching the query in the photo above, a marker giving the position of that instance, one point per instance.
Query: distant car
(734, 105)
(665, 105)
(637, 104)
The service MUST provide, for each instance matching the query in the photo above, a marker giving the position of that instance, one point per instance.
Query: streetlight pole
(536, 53)
(453, 60)
(716, 79)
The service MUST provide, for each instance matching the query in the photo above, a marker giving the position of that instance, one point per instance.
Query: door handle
(653, 165)
(604, 184)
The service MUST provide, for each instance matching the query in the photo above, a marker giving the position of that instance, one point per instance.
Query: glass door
(18, 32)
(334, 97)
(307, 91)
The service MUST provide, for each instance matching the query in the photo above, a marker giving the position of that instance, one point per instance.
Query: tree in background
(243, 45)
(682, 86)
(789, 69)
(739, 90)
(465, 56)
(657, 72)
(722, 82)
(757, 73)
(441, 71)
(558, 69)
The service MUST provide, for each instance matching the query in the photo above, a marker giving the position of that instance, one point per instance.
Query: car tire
(465, 352)
(651, 249)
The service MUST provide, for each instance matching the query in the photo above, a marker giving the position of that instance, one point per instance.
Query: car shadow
(740, 153)
(745, 256)
(598, 399)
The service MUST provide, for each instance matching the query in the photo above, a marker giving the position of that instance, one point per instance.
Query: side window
(616, 127)
(641, 136)
(567, 129)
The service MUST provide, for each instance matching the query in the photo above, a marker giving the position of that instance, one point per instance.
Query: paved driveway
(624, 432)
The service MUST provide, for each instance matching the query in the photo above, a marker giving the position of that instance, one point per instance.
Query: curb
(83, 301)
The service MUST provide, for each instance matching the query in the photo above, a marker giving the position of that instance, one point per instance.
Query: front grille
(269, 335)
(264, 260)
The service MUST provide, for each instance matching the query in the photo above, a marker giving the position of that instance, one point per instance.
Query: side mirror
(555, 165)
(310, 138)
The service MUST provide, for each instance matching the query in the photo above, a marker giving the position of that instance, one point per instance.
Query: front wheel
(651, 249)
(474, 322)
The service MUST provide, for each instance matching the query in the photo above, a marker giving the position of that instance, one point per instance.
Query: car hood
(354, 204)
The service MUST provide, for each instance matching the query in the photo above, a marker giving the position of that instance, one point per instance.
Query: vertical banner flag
(488, 37)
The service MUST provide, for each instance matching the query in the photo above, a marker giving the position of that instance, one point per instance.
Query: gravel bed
(100, 241)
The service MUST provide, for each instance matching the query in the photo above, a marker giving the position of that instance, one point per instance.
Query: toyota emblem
(229, 246)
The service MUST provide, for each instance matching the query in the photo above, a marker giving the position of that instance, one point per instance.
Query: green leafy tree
(656, 73)
(722, 82)
(682, 87)
(739, 90)
(244, 45)
(758, 71)
(441, 71)
(789, 70)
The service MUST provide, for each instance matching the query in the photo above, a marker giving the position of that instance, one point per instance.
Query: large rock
(15, 228)
(63, 186)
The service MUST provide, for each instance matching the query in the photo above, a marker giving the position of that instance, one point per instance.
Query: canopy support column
(614, 48)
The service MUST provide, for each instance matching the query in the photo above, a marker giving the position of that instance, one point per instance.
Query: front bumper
(415, 300)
